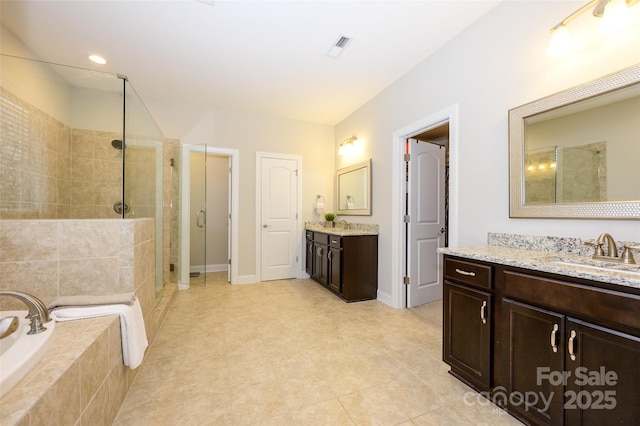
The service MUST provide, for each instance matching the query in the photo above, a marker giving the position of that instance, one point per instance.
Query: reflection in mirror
(353, 189)
(568, 149)
(575, 153)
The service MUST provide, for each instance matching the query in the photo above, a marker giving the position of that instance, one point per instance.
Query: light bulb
(561, 41)
(616, 17)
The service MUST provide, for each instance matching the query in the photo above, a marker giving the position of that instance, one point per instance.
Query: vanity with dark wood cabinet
(345, 264)
(551, 349)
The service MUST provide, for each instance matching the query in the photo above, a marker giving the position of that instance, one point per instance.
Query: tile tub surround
(353, 228)
(548, 262)
(82, 379)
(52, 258)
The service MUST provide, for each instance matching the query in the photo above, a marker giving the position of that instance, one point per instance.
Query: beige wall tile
(39, 278)
(98, 411)
(88, 276)
(33, 240)
(62, 402)
(94, 368)
(88, 238)
(119, 382)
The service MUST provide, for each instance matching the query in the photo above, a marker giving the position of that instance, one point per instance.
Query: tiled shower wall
(51, 258)
(35, 162)
(52, 171)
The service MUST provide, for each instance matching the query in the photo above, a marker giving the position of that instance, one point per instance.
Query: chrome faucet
(38, 312)
(343, 224)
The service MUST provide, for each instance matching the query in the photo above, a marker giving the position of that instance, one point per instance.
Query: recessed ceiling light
(97, 59)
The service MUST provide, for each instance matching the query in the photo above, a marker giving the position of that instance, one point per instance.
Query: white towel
(134, 337)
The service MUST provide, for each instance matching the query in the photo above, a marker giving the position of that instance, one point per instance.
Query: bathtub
(20, 352)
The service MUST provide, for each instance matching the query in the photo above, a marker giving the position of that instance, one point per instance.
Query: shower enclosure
(77, 144)
(566, 174)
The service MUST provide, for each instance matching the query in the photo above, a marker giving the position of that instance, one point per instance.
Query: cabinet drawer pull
(329, 255)
(334, 241)
(572, 352)
(483, 312)
(554, 338)
(469, 274)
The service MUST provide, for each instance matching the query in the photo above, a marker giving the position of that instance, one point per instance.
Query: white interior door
(427, 221)
(279, 218)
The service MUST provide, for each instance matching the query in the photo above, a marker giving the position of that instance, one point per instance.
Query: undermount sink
(600, 268)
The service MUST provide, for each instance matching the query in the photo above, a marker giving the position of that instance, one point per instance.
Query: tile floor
(291, 353)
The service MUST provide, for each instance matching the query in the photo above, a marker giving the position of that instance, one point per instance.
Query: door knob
(443, 230)
(265, 226)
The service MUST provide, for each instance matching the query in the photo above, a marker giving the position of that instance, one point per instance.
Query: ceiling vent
(339, 46)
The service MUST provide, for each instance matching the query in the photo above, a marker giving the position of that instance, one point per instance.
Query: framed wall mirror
(353, 190)
(576, 154)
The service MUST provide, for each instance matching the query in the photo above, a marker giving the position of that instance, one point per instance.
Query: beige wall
(251, 133)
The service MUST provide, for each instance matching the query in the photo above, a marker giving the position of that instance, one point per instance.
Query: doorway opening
(426, 216)
(425, 210)
(209, 218)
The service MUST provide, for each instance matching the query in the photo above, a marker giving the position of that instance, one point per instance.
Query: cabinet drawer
(321, 238)
(335, 241)
(468, 272)
(599, 304)
(309, 235)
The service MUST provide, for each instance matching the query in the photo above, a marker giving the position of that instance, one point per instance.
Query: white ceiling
(267, 57)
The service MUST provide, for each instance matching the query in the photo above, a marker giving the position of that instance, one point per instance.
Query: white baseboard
(247, 279)
(385, 298)
(209, 268)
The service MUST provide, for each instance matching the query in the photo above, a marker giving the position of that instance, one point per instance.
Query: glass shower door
(198, 215)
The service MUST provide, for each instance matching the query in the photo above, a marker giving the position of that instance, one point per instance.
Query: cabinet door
(467, 333)
(335, 269)
(320, 264)
(604, 387)
(535, 343)
(309, 258)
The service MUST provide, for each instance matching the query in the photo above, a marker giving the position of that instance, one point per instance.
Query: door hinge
(296, 173)
(407, 157)
(406, 280)
(407, 218)
(296, 259)
(229, 261)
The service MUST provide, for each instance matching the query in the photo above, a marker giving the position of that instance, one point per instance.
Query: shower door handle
(200, 215)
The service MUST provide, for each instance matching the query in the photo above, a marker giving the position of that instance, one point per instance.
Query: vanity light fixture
(350, 147)
(97, 59)
(615, 16)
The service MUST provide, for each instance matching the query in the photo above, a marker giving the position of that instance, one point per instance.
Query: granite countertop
(572, 265)
(353, 229)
